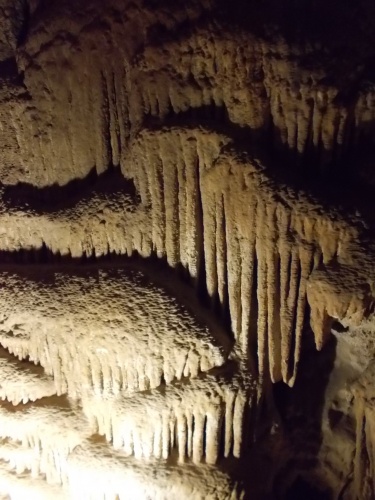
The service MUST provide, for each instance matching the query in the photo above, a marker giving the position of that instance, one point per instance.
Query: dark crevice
(334, 417)
(44, 255)
(159, 180)
(106, 118)
(304, 489)
(222, 426)
(9, 72)
(209, 116)
(204, 436)
(220, 305)
(27, 363)
(277, 304)
(52, 198)
(338, 327)
(24, 28)
(301, 410)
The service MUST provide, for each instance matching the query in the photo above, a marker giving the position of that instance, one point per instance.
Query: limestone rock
(186, 217)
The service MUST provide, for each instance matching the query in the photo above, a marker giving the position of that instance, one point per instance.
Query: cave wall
(185, 208)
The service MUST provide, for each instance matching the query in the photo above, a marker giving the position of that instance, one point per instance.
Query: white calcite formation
(194, 417)
(104, 335)
(197, 197)
(20, 383)
(22, 486)
(43, 436)
(96, 224)
(131, 360)
(109, 330)
(97, 472)
(255, 244)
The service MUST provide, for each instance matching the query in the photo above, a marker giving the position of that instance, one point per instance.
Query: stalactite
(262, 330)
(92, 224)
(198, 413)
(40, 438)
(273, 291)
(336, 291)
(148, 342)
(209, 242)
(19, 383)
(99, 105)
(191, 158)
(189, 190)
(305, 259)
(96, 469)
(19, 487)
(93, 90)
(233, 263)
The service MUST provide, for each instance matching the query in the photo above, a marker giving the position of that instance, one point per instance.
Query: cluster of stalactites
(139, 368)
(215, 212)
(203, 420)
(103, 370)
(85, 115)
(46, 451)
(137, 339)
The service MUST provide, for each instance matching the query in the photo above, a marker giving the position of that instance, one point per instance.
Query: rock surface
(186, 219)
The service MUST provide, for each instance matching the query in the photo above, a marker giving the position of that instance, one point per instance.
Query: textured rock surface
(105, 330)
(232, 147)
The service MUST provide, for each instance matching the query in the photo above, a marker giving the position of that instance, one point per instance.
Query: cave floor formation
(187, 288)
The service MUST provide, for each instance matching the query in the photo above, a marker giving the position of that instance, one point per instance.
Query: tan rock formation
(227, 149)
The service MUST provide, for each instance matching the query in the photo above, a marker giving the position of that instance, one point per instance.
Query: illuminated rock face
(174, 214)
